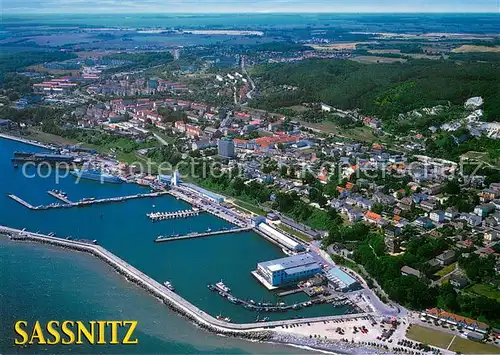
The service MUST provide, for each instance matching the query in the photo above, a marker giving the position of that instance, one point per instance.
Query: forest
(384, 90)
(11, 62)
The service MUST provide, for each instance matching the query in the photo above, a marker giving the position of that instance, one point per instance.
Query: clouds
(224, 6)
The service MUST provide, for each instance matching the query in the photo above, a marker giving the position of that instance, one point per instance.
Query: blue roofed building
(286, 271)
(341, 280)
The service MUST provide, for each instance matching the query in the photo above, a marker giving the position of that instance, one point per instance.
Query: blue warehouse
(286, 271)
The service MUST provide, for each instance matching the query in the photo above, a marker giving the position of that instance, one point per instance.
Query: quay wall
(257, 331)
(26, 141)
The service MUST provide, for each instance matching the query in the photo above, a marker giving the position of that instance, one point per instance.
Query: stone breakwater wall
(169, 298)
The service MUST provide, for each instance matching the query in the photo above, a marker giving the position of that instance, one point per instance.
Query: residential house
(433, 265)
(450, 213)
(471, 219)
(427, 205)
(408, 271)
(372, 217)
(383, 199)
(424, 222)
(484, 209)
(459, 281)
(446, 258)
(491, 236)
(392, 244)
(437, 216)
(355, 215)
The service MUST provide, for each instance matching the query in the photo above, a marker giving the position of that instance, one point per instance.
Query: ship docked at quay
(96, 175)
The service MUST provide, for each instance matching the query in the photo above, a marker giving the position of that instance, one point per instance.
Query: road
(391, 309)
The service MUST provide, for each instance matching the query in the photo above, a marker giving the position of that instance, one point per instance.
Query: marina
(170, 298)
(60, 196)
(84, 202)
(268, 307)
(161, 216)
(193, 235)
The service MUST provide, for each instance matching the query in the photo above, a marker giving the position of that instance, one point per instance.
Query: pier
(203, 203)
(200, 234)
(161, 216)
(22, 202)
(59, 196)
(84, 202)
(255, 330)
(336, 300)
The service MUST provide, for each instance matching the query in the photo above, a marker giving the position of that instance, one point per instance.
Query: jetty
(255, 330)
(59, 196)
(336, 300)
(161, 216)
(205, 204)
(193, 235)
(84, 202)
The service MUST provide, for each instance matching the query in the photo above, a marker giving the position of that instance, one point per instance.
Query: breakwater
(257, 331)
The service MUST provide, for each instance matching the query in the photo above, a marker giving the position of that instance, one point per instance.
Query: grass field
(429, 336)
(485, 290)
(442, 340)
(49, 138)
(446, 270)
(466, 346)
(466, 48)
(364, 134)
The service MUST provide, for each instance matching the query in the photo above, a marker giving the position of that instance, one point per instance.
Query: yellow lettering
(68, 332)
(114, 330)
(52, 331)
(38, 334)
(83, 330)
(102, 328)
(126, 339)
(21, 332)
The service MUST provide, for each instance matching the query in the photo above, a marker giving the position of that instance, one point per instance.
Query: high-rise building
(226, 148)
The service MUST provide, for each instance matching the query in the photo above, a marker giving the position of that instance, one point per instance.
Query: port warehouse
(213, 196)
(279, 237)
(285, 271)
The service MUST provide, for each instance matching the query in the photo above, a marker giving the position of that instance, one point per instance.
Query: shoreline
(259, 332)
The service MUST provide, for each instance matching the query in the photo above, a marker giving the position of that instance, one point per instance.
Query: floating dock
(59, 196)
(200, 234)
(270, 307)
(22, 202)
(161, 216)
(87, 202)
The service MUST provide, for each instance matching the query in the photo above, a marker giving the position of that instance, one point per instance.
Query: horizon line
(257, 13)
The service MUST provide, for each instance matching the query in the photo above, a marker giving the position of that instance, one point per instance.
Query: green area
(486, 290)
(446, 270)
(384, 90)
(466, 346)
(11, 62)
(144, 59)
(429, 336)
(295, 233)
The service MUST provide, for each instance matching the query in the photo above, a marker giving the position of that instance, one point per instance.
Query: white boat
(220, 285)
(169, 285)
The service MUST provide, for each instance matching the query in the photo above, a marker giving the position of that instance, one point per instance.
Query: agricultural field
(368, 59)
(466, 48)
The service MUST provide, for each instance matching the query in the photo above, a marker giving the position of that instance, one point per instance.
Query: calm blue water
(124, 229)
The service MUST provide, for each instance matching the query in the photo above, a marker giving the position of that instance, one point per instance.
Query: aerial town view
(201, 177)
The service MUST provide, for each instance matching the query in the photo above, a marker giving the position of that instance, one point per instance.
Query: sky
(246, 6)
